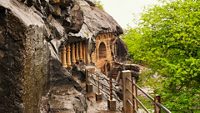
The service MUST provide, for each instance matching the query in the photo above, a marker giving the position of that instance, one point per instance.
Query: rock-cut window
(102, 50)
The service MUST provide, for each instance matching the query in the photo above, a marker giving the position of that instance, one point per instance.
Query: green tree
(98, 4)
(167, 40)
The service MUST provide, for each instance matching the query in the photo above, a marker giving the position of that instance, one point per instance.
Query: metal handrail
(151, 98)
(143, 106)
(107, 93)
(107, 87)
(103, 78)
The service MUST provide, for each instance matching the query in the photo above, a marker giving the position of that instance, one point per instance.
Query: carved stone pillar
(64, 62)
(73, 54)
(87, 53)
(84, 52)
(81, 51)
(68, 55)
(77, 52)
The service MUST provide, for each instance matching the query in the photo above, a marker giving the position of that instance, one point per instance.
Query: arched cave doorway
(102, 50)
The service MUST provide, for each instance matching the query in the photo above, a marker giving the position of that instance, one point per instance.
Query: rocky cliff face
(35, 72)
(23, 59)
(29, 42)
(31, 33)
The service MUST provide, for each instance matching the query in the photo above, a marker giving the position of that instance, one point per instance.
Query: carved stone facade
(103, 49)
(78, 51)
(72, 53)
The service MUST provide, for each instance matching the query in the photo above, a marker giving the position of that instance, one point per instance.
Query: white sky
(125, 11)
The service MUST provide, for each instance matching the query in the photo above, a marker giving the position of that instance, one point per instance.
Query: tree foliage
(168, 41)
(98, 4)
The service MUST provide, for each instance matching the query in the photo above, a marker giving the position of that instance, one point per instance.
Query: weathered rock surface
(121, 50)
(95, 21)
(67, 100)
(31, 33)
(24, 58)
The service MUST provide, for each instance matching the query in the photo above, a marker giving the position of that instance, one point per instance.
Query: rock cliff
(31, 33)
(23, 58)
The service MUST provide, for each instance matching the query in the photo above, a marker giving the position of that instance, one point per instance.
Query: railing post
(99, 95)
(110, 80)
(134, 92)
(111, 101)
(98, 87)
(157, 108)
(127, 92)
(89, 87)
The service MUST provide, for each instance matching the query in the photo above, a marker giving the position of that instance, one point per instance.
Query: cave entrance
(102, 50)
